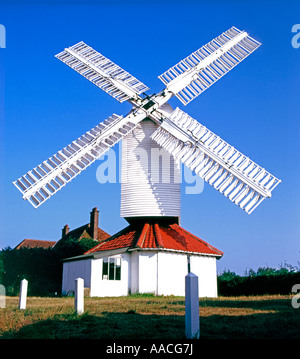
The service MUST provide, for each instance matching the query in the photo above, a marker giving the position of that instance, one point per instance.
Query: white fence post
(23, 294)
(79, 296)
(2, 296)
(192, 326)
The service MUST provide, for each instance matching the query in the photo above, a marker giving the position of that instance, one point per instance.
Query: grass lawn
(149, 317)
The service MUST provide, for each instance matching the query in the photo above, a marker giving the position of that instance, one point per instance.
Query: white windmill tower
(152, 124)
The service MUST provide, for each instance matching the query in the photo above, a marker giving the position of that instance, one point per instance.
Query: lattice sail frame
(198, 71)
(229, 171)
(50, 176)
(102, 72)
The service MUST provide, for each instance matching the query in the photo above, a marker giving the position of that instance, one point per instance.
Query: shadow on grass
(131, 325)
(106, 326)
(253, 326)
(261, 304)
(267, 304)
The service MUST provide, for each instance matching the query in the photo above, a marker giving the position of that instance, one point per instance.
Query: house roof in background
(35, 243)
(80, 232)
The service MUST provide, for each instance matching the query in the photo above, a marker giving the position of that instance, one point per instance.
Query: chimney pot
(65, 230)
(94, 223)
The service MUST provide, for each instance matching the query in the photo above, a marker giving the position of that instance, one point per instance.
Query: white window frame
(117, 263)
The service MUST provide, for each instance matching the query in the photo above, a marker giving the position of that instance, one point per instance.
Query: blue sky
(45, 105)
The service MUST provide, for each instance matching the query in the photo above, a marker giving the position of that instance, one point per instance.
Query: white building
(145, 257)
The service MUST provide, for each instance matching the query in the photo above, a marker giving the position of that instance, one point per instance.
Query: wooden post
(192, 326)
(79, 296)
(23, 294)
(2, 296)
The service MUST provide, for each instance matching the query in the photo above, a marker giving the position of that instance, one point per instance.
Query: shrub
(265, 281)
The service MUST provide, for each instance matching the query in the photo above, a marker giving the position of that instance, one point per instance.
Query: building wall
(134, 272)
(172, 269)
(161, 273)
(148, 262)
(205, 268)
(74, 270)
(110, 288)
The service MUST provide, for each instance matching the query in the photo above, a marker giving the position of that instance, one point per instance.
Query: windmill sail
(221, 165)
(197, 72)
(102, 72)
(230, 172)
(50, 176)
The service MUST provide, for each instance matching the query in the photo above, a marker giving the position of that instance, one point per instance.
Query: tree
(73, 247)
(41, 267)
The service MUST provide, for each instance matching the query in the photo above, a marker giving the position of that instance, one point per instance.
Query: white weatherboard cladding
(150, 180)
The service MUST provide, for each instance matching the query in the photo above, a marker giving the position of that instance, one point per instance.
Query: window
(105, 268)
(111, 268)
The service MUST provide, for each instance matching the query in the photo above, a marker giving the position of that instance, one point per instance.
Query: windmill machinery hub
(153, 124)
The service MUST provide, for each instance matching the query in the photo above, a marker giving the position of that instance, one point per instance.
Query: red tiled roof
(102, 235)
(156, 235)
(35, 243)
(79, 232)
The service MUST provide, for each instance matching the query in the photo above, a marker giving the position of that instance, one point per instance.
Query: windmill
(151, 123)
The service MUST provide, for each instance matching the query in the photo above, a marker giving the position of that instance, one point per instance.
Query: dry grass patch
(150, 317)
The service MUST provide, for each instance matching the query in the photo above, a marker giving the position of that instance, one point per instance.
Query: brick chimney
(94, 221)
(65, 231)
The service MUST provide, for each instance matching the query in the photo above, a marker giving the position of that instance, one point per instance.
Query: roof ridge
(142, 236)
(158, 236)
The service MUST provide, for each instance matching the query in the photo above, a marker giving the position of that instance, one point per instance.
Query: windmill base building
(151, 255)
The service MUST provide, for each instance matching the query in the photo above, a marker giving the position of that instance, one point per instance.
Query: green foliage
(37, 265)
(227, 275)
(73, 247)
(41, 267)
(265, 280)
(143, 295)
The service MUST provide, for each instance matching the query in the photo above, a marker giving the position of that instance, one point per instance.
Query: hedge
(281, 283)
